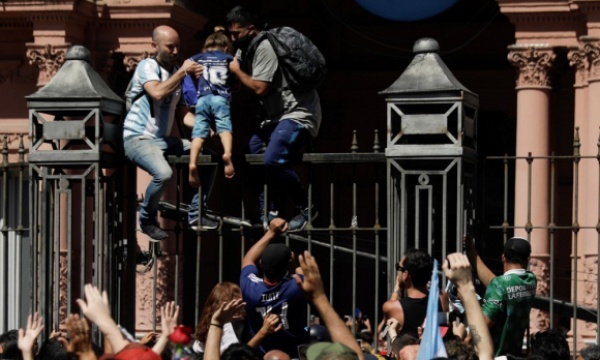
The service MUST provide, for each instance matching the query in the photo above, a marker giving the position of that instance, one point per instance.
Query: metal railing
(349, 238)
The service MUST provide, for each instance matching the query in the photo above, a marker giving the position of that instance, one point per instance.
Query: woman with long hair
(222, 292)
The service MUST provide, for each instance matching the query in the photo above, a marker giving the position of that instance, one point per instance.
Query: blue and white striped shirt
(139, 120)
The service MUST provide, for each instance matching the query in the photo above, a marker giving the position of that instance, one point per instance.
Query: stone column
(532, 191)
(587, 242)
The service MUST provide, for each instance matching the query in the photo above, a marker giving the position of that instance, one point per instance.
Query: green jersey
(507, 303)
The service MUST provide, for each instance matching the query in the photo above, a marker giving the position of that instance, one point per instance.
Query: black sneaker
(153, 231)
(298, 222)
(143, 258)
(206, 222)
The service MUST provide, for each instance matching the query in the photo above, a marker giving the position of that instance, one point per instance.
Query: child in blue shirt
(212, 107)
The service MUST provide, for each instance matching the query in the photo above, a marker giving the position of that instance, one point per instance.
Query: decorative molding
(15, 24)
(48, 58)
(592, 50)
(590, 286)
(547, 18)
(579, 60)
(534, 64)
(590, 277)
(539, 267)
(131, 61)
(62, 287)
(54, 16)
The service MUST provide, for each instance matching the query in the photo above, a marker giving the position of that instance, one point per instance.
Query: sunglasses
(400, 268)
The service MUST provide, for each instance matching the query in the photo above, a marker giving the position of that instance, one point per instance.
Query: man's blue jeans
(285, 142)
(149, 154)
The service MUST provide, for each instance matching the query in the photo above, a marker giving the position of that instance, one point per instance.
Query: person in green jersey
(508, 297)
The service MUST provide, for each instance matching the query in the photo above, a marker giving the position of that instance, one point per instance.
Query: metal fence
(350, 236)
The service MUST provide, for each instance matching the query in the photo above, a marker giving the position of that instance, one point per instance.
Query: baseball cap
(275, 259)
(134, 351)
(517, 250)
(328, 348)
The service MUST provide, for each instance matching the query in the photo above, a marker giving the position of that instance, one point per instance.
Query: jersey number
(266, 310)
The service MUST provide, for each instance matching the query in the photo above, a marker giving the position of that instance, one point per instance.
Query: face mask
(242, 43)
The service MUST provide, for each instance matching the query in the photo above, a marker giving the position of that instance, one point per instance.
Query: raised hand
(168, 317)
(457, 269)
(227, 310)
(278, 226)
(78, 331)
(148, 338)
(271, 324)
(28, 337)
(95, 306)
(312, 286)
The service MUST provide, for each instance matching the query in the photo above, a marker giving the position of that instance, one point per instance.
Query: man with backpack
(155, 98)
(293, 113)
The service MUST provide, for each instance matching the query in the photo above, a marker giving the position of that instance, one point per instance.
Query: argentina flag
(432, 345)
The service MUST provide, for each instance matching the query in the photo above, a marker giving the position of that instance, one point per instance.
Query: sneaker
(206, 222)
(153, 231)
(143, 258)
(298, 222)
(270, 216)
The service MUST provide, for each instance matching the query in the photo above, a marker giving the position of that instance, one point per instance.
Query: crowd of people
(264, 315)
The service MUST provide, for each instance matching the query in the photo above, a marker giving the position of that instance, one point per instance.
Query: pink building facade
(550, 37)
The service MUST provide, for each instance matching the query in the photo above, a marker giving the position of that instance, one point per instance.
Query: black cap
(275, 259)
(517, 250)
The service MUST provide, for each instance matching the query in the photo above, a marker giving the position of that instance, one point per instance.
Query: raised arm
(79, 334)
(168, 320)
(271, 324)
(277, 226)
(222, 316)
(458, 269)
(312, 286)
(95, 308)
(484, 273)
(28, 337)
(159, 90)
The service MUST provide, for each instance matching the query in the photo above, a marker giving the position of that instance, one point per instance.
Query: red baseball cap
(133, 351)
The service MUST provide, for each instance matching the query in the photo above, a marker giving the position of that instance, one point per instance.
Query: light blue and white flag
(432, 345)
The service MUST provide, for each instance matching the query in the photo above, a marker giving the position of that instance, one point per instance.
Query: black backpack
(301, 62)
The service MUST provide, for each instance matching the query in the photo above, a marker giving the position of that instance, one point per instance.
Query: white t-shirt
(227, 339)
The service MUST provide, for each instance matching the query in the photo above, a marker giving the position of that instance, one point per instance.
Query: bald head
(163, 31)
(276, 355)
(165, 41)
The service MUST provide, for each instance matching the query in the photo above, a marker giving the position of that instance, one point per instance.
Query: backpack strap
(143, 92)
(249, 56)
